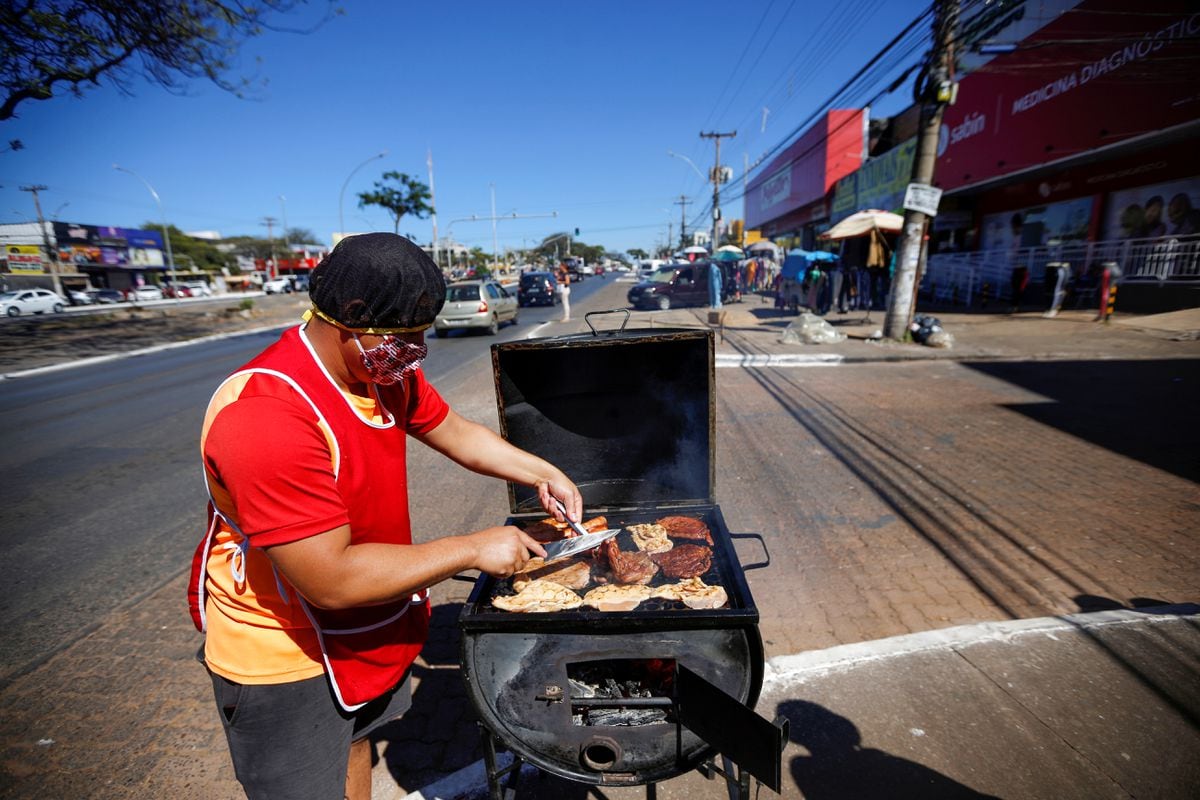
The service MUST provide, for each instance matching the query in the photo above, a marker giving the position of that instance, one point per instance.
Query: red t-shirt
(270, 464)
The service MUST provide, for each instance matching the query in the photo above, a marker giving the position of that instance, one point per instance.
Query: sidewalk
(752, 331)
(1100, 705)
(1090, 705)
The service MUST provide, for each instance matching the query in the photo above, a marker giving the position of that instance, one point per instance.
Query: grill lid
(628, 416)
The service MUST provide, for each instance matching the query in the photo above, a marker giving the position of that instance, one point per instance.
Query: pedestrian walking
(564, 291)
(310, 590)
(714, 284)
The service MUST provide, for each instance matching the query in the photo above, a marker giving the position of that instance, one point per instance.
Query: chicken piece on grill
(684, 561)
(633, 567)
(680, 527)
(573, 573)
(551, 530)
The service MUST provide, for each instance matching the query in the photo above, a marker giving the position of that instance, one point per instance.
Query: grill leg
(651, 791)
(496, 788)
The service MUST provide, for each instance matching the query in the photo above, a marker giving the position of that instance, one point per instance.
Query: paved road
(895, 499)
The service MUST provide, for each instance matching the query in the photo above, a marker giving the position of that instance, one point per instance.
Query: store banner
(882, 180)
(25, 259)
(1095, 75)
(845, 198)
(808, 168)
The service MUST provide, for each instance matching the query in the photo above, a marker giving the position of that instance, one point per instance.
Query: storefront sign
(25, 259)
(1035, 106)
(804, 172)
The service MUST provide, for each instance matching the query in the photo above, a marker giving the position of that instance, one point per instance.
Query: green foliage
(247, 304)
(302, 236)
(69, 46)
(405, 195)
(637, 253)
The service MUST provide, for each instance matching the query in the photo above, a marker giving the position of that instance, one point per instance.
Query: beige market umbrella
(862, 223)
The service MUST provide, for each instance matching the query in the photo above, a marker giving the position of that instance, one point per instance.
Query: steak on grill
(629, 567)
(684, 561)
(679, 527)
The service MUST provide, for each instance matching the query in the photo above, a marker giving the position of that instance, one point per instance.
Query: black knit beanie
(378, 280)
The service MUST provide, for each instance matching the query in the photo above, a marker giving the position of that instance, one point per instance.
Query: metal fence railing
(963, 277)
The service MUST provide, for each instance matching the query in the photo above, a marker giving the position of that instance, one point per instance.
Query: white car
(277, 286)
(198, 288)
(147, 292)
(31, 301)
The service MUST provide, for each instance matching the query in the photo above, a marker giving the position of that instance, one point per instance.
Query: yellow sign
(752, 236)
(25, 259)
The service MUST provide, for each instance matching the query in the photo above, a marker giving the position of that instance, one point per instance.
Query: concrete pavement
(902, 677)
(1086, 705)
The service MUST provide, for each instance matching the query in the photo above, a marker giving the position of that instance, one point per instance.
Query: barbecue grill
(630, 697)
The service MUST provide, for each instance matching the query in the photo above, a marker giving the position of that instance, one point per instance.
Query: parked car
(300, 283)
(80, 298)
(147, 292)
(106, 296)
(537, 289)
(475, 304)
(198, 288)
(672, 286)
(172, 290)
(31, 301)
(277, 286)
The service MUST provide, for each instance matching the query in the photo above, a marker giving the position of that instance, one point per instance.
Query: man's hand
(502, 551)
(564, 491)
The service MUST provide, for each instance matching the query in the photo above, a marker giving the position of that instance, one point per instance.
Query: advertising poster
(79, 254)
(1150, 212)
(146, 257)
(24, 259)
(1038, 226)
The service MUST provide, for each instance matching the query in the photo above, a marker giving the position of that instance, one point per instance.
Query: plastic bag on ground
(924, 326)
(811, 329)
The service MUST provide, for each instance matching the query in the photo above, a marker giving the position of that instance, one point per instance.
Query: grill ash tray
(725, 571)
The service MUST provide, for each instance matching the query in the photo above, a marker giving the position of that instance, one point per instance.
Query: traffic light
(735, 233)
(577, 231)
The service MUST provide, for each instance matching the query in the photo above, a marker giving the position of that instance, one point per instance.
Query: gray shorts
(292, 739)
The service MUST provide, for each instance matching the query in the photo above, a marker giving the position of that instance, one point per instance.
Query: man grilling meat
(312, 594)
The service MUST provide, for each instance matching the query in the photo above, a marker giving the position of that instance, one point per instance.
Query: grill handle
(588, 319)
(761, 541)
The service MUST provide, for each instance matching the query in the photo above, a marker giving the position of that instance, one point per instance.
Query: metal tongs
(578, 544)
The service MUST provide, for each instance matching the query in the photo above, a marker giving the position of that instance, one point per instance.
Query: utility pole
(51, 256)
(683, 202)
(270, 223)
(716, 181)
(495, 246)
(433, 202)
(934, 90)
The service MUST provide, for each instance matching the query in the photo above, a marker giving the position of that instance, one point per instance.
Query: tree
(302, 236)
(408, 196)
(637, 253)
(52, 46)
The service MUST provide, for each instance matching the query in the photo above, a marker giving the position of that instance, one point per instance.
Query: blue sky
(561, 106)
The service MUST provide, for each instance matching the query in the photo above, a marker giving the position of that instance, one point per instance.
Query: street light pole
(166, 233)
(703, 177)
(342, 193)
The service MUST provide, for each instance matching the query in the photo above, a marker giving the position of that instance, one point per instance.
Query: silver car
(476, 304)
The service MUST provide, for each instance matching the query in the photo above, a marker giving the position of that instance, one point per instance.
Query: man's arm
(332, 573)
(480, 450)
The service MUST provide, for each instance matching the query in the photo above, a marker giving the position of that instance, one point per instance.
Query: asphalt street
(897, 500)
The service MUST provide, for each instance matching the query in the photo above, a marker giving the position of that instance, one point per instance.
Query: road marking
(87, 362)
(778, 360)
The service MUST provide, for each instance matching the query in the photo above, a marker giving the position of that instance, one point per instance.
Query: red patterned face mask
(392, 360)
